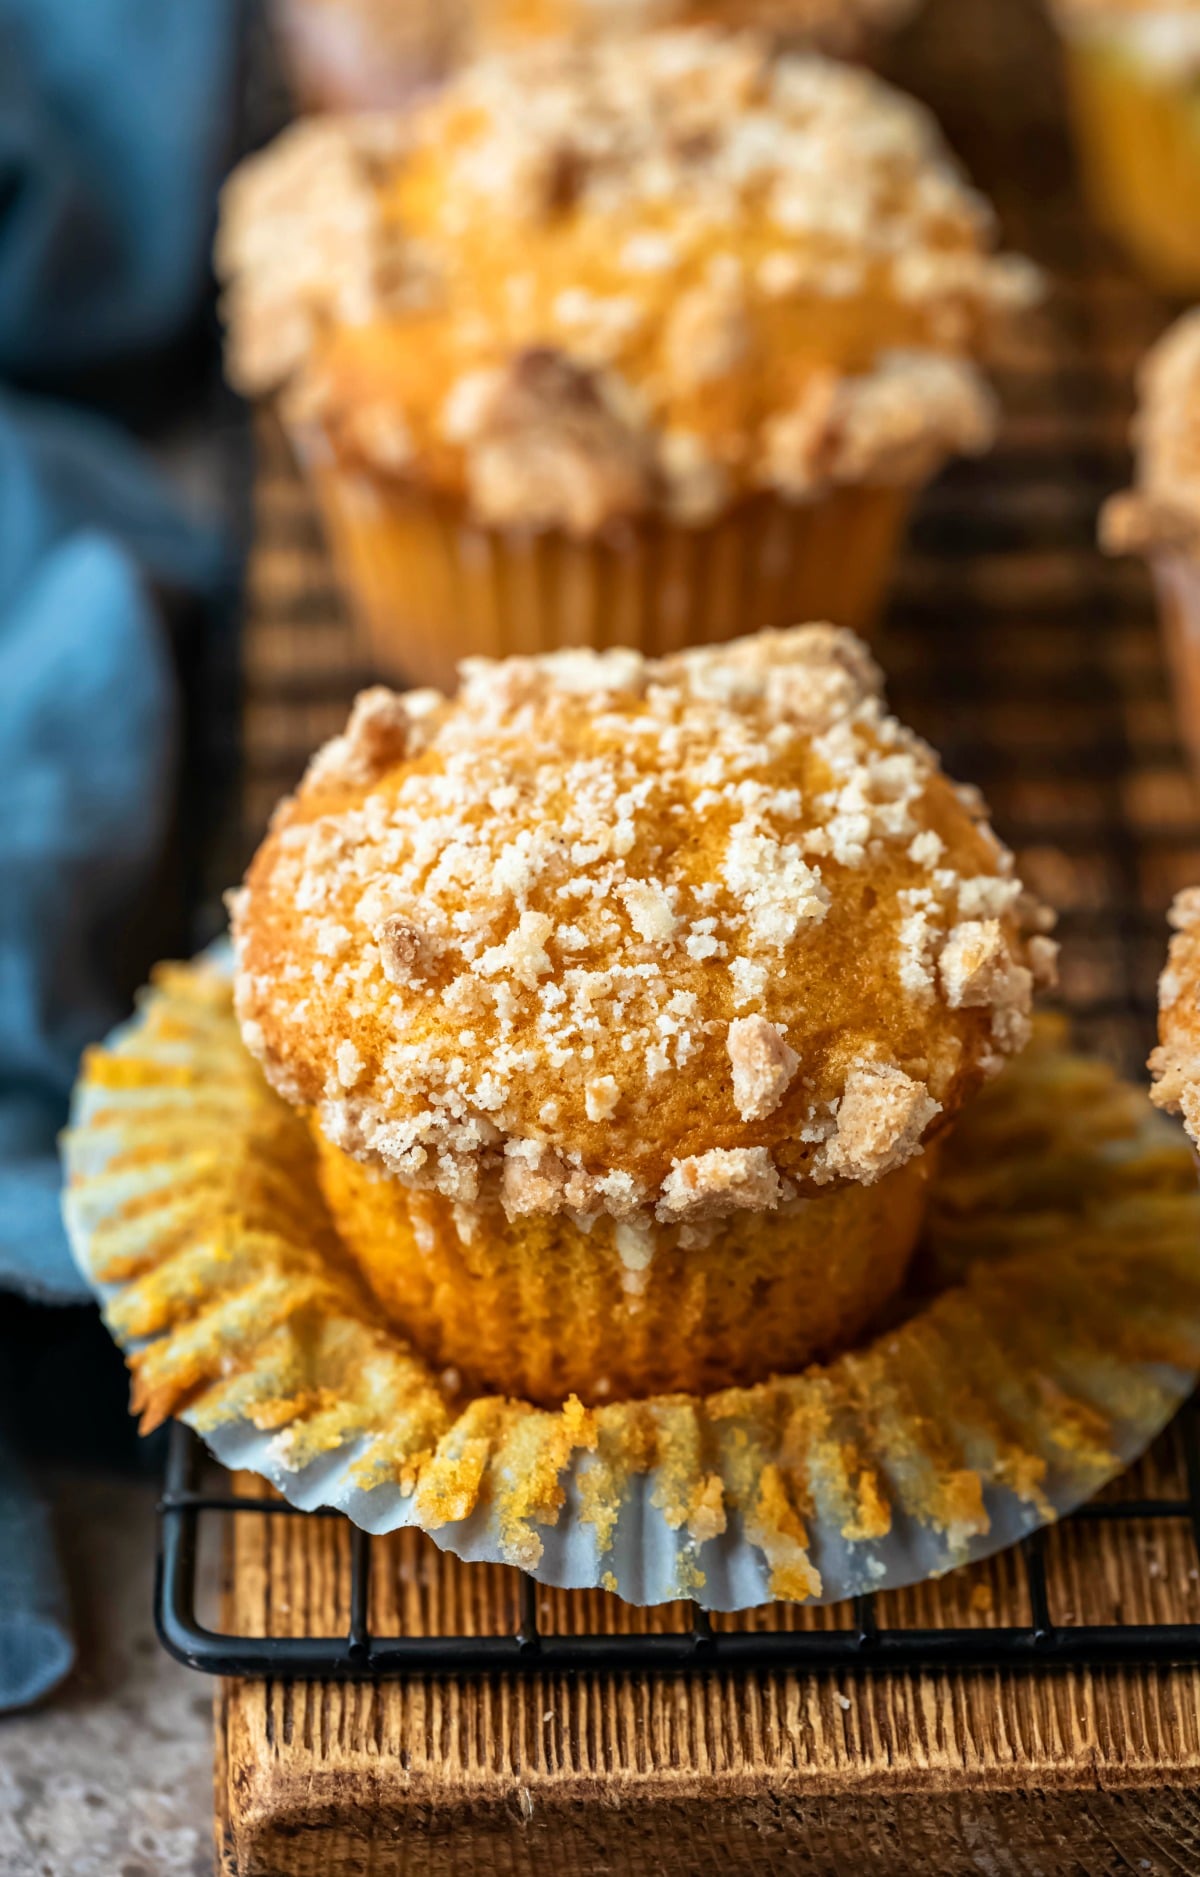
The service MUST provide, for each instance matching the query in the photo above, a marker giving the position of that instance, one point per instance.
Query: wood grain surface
(1058, 1772)
(1034, 666)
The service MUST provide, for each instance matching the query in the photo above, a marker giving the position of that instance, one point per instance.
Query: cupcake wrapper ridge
(429, 586)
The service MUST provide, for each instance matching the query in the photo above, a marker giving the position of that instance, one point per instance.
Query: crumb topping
(1163, 509)
(1175, 1064)
(587, 281)
(644, 938)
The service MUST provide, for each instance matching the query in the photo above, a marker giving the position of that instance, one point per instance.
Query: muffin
(591, 352)
(346, 55)
(364, 55)
(1160, 516)
(628, 1001)
(1133, 75)
(844, 28)
(1175, 1064)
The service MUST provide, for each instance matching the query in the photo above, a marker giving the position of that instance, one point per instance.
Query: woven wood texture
(1034, 666)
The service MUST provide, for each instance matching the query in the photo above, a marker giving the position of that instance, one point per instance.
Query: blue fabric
(114, 122)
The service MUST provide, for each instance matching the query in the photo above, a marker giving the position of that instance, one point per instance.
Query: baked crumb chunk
(974, 960)
(406, 954)
(763, 1066)
(880, 1121)
(722, 1180)
(376, 737)
(548, 449)
(533, 1179)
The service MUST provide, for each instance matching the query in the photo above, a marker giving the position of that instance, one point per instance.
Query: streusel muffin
(1133, 70)
(1160, 516)
(346, 55)
(365, 55)
(1175, 1064)
(593, 351)
(627, 998)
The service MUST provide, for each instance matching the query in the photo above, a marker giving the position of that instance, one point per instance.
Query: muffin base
(541, 1309)
(1138, 133)
(428, 586)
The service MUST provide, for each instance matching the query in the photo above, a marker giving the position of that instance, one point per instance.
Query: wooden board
(598, 1776)
(1034, 666)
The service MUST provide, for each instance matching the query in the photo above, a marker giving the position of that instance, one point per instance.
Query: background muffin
(371, 54)
(624, 996)
(1175, 1064)
(1160, 516)
(1133, 71)
(593, 352)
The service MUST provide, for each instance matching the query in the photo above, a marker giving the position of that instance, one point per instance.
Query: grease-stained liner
(429, 586)
(1052, 1329)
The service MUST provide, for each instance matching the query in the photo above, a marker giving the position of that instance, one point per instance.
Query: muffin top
(650, 938)
(1162, 36)
(838, 26)
(1118, 9)
(1163, 510)
(588, 282)
(1175, 1064)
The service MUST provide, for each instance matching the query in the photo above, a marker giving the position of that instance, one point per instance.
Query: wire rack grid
(1034, 666)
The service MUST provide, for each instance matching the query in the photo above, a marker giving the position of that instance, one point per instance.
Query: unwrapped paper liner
(1052, 1329)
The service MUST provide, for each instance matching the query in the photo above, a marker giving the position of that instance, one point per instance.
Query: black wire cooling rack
(1034, 667)
(862, 1645)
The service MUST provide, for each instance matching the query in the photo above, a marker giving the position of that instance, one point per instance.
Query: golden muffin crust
(459, 26)
(1175, 1064)
(1107, 9)
(590, 282)
(1160, 37)
(608, 934)
(838, 26)
(1163, 510)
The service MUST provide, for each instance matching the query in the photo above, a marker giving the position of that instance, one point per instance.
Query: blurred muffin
(365, 55)
(1160, 516)
(624, 997)
(628, 344)
(1175, 1064)
(1133, 71)
(348, 55)
(844, 28)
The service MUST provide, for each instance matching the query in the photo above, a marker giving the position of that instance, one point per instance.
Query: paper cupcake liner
(429, 586)
(540, 1309)
(1177, 581)
(1053, 1329)
(1137, 129)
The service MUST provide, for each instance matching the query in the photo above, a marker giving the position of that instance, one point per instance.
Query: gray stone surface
(112, 1777)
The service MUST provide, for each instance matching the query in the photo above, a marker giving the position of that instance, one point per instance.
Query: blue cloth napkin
(114, 127)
